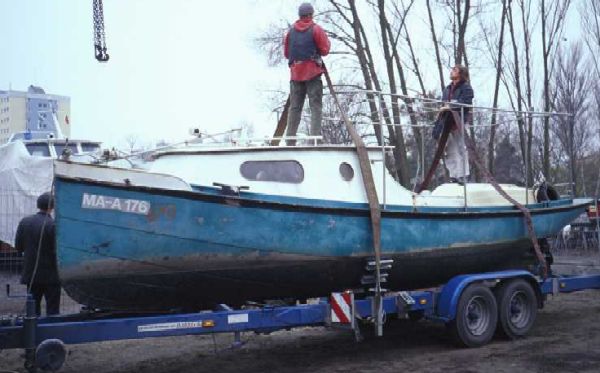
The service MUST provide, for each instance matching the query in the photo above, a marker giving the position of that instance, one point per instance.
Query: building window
(278, 171)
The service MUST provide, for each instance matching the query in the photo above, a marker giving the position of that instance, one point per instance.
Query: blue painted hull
(195, 249)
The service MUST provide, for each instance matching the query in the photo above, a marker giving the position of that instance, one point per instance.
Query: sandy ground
(566, 338)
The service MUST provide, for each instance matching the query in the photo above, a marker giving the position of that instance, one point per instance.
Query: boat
(194, 227)
(26, 172)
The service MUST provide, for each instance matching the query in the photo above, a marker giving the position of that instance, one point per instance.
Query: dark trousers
(298, 91)
(52, 294)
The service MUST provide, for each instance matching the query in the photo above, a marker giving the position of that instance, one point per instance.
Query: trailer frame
(44, 338)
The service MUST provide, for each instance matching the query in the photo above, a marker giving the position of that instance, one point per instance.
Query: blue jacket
(462, 94)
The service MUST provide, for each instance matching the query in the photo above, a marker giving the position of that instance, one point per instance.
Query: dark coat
(462, 94)
(27, 241)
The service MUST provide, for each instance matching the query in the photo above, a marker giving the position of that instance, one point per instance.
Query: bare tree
(334, 129)
(571, 87)
(596, 116)
(496, 54)
(436, 43)
(392, 58)
(132, 140)
(367, 64)
(589, 12)
(270, 43)
(462, 20)
(516, 77)
(552, 17)
(526, 26)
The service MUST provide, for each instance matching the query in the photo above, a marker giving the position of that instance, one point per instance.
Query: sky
(174, 64)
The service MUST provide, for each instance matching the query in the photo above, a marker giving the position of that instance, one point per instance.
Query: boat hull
(191, 250)
(280, 278)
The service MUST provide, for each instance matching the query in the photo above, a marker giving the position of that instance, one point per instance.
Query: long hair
(463, 71)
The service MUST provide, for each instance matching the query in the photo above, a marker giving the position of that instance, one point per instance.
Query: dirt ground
(566, 338)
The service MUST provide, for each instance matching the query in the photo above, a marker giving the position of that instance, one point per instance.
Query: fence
(576, 239)
(15, 205)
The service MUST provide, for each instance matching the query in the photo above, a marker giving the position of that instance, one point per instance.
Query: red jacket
(306, 70)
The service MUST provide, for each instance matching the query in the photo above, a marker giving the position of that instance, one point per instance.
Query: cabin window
(60, 147)
(279, 171)
(89, 147)
(346, 171)
(40, 150)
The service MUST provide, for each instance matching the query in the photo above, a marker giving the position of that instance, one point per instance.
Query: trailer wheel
(50, 355)
(476, 317)
(517, 308)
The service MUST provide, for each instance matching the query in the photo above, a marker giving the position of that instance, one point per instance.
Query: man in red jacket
(304, 45)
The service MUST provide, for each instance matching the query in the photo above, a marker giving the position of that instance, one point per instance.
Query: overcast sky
(174, 64)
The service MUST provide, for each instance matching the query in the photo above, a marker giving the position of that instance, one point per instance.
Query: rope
(472, 150)
(526, 213)
(436, 158)
(281, 124)
(369, 183)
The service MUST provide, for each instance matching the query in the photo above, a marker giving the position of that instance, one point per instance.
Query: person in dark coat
(36, 239)
(460, 92)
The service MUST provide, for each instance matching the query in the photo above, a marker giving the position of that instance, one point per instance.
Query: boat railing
(418, 113)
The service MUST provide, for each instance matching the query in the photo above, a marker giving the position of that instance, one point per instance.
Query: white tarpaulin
(22, 179)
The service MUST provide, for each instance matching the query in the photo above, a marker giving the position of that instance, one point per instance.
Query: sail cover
(22, 179)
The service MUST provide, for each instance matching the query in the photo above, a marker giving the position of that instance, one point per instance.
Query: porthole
(346, 171)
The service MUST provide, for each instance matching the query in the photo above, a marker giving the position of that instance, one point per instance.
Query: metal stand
(463, 152)
(237, 341)
(379, 276)
(598, 222)
(29, 330)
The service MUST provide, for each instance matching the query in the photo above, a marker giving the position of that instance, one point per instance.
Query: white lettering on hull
(131, 206)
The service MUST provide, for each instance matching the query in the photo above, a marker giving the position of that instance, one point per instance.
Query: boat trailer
(465, 303)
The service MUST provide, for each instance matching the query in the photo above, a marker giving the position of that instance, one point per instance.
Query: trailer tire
(517, 308)
(476, 317)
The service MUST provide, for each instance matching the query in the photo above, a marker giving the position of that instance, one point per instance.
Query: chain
(99, 36)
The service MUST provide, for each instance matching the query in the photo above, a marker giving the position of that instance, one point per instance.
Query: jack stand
(379, 276)
(29, 329)
(378, 312)
(358, 337)
(237, 341)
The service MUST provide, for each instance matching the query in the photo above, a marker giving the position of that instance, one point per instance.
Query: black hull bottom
(190, 291)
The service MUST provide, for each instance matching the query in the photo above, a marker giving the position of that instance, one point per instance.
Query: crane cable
(99, 35)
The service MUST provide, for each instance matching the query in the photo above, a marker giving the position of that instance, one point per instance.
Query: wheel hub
(477, 316)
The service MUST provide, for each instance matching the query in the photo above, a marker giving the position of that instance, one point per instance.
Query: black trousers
(52, 294)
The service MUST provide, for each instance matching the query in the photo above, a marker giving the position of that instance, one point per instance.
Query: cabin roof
(265, 149)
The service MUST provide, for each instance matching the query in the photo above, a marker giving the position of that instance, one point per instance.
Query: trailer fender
(451, 291)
